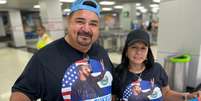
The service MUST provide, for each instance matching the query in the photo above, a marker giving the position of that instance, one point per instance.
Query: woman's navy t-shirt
(146, 89)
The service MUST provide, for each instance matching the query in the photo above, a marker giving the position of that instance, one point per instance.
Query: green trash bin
(180, 66)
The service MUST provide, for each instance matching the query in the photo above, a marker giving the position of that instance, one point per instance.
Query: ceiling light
(154, 5)
(106, 9)
(138, 4)
(140, 7)
(36, 6)
(3, 1)
(118, 7)
(68, 1)
(107, 2)
(143, 10)
(157, 1)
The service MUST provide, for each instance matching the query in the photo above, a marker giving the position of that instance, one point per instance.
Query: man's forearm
(18, 96)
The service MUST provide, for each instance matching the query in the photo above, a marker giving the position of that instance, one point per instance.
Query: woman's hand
(170, 95)
(193, 95)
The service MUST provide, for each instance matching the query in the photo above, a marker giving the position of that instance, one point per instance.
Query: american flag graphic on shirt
(145, 86)
(69, 78)
(72, 76)
(128, 92)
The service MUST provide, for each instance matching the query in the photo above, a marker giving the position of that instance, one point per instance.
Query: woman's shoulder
(157, 66)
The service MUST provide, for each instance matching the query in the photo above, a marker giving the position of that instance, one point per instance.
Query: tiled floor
(12, 63)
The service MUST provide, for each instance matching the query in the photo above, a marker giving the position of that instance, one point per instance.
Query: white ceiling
(19, 4)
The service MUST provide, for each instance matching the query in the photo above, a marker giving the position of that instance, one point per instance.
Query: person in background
(153, 31)
(138, 63)
(44, 38)
(51, 72)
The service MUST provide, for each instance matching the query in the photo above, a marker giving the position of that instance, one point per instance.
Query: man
(46, 72)
(44, 38)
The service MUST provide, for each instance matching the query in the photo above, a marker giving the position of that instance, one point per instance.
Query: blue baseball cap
(90, 5)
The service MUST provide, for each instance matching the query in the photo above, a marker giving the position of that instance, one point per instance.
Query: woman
(137, 65)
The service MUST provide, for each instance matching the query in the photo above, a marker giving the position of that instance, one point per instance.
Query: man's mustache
(84, 33)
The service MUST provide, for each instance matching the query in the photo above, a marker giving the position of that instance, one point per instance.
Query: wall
(180, 32)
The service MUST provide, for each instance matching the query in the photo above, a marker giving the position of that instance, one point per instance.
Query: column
(51, 15)
(127, 16)
(2, 30)
(147, 15)
(17, 28)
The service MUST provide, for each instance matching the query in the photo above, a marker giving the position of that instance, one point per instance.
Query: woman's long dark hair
(148, 62)
(122, 69)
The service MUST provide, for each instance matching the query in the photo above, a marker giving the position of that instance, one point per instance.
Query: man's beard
(84, 38)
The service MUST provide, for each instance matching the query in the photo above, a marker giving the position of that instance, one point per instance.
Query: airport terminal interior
(173, 27)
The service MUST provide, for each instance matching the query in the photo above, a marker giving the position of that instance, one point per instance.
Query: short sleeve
(116, 82)
(114, 85)
(30, 82)
(163, 77)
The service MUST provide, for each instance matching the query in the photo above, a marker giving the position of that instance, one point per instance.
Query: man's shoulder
(98, 48)
(50, 48)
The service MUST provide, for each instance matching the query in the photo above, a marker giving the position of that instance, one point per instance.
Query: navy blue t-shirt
(147, 88)
(48, 71)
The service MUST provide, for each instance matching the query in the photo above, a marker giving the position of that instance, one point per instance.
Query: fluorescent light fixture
(67, 1)
(154, 5)
(143, 10)
(118, 7)
(157, 1)
(66, 10)
(3, 1)
(107, 3)
(140, 7)
(106, 9)
(138, 4)
(36, 6)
